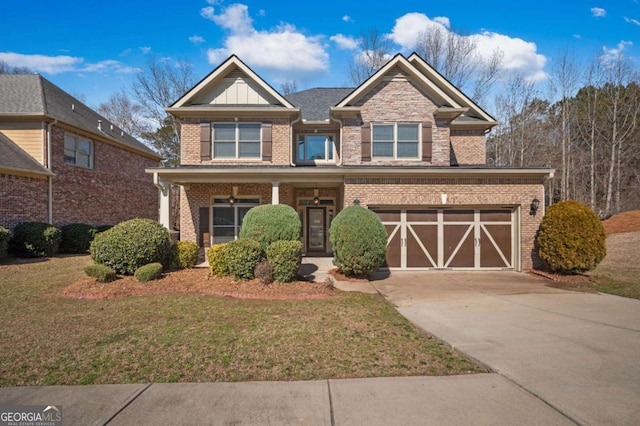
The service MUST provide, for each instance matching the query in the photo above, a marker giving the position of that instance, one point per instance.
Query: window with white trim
(396, 140)
(315, 148)
(236, 140)
(78, 151)
(227, 217)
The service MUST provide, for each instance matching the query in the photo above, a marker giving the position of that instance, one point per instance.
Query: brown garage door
(443, 238)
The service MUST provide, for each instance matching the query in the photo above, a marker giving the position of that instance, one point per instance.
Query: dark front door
(316, 229)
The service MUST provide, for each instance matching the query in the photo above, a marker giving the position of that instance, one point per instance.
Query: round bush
(132, 244)
(217, 261)
(4, 242)
(571, 238)
(101, 273)
(241, 257)
(149, 272)
(184, 254)
(35, 239)
(77, 237)
(284, 257)
(359, 241)
(269, 223)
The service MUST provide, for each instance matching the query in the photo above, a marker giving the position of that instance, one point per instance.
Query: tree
(289, 87)
(126, 114)
(5, 68)
(375, 52)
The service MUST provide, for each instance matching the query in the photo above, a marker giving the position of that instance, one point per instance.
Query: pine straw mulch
(200, 281)
(622, 222)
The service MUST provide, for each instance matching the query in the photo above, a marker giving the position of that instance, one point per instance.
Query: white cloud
(347, 18)
(631, 21)
(598, 12)
(109, 65)
(196, 39)
(443, 20)
(42, 63)
(345, 42)
(519, 54)
(577, 36)
(614, 53)
(284, 50)
(208, 13)
(145, 49)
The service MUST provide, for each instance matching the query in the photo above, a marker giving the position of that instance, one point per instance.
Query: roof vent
(73, 107)
(112, 127)
(100, 125)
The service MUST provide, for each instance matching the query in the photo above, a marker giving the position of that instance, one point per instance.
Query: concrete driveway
(578, 352)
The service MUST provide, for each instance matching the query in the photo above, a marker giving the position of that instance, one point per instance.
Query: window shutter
(266, 141)
(427, 145)
(203, 235)
(366, 142)
(205, 141)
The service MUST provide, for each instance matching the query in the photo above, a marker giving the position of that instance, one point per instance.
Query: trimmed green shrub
(217, 260)
(269, 223)
(132, 244)
(264, 272)
(184, 254)
(101, 273)
(5, 234)
(284, 257)
(35, 239)
(241, 257)
(77, 237)
(359, 241)
(149, 272)
(571, 238)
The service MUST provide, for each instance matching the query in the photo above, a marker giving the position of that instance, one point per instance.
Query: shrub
(571, 238)
(184, 254)
(102, 228)
(35, 239)
(264, 272)
(149, 272)
(284, 257)
(132, 244)
(77, 237)
(241, 257)
(269, 223)
(217, 260)
(101, 273)
(359, 241)
(4, 241)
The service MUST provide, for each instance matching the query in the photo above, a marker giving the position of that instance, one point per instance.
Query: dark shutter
(427, 145)
(366, 142)
(203, 234)
(266, 141)
(205, 141)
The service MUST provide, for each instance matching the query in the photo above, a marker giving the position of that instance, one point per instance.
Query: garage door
(448, 238)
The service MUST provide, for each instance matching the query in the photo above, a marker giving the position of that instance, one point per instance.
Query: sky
(94, 49)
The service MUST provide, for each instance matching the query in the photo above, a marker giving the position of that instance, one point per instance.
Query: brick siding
(468, 147)
(22, 199)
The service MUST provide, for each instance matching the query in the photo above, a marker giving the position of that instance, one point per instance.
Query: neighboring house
(61, 162)
(406, 144)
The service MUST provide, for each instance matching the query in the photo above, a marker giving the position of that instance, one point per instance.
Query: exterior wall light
(232, 200)
(356, 202)
(535, 203)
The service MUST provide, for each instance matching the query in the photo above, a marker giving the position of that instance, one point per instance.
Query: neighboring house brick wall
(468, 147)
(462, 192)
(116, 189)
(22, 199)
(190, 141)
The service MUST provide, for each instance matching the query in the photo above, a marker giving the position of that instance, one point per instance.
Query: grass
(46, 339)
(619, 272)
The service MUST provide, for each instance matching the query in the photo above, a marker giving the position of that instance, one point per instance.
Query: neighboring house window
(315, 148)
(78, 151)
(235, 140)
(227, 218)
(397, 140)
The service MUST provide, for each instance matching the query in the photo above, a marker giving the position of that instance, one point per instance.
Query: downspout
(48, 165)
(291, 141)
(340, 123)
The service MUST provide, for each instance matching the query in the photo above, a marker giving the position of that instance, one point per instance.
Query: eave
(27, 173)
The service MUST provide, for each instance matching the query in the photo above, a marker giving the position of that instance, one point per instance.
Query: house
(61, 162)
(406, 144)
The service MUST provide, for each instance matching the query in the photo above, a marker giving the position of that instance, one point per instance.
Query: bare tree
(5, 68)
(375, 52)
(126, 114)
(289, 87)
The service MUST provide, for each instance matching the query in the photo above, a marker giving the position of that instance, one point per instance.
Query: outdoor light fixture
(232, 197)
(316, 200)
(232, 200)
(535, 203)
(356, 202)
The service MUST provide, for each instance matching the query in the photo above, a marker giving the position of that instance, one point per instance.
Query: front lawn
(48, 339)
(619, 272)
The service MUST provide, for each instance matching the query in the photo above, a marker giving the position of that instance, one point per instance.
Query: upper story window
(236, 140)
(396, 140)
(316, 148)
(78, 151)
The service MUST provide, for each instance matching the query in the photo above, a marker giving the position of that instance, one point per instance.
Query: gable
(235, 88)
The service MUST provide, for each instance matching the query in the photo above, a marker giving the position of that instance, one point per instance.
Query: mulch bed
(622, 222)
(566, 282)
(198, 280)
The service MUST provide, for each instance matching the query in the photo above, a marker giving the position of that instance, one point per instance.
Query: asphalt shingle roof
(14, 157)
(32, 94)
(315, 103)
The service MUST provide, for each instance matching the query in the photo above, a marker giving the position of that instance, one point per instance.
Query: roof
(34, 95)
(316, 103)
(15, 159)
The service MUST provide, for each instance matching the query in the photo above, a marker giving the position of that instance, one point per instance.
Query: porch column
(165, 204)
(275, 192)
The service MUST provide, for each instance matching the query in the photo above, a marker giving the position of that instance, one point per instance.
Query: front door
(316, 229)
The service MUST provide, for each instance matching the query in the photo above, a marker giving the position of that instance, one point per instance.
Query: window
(227, 218)
(315, 148)
(234, 140)
(78, 151)
(397, 140)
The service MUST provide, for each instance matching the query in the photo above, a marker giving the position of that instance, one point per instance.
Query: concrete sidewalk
(480, 399)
